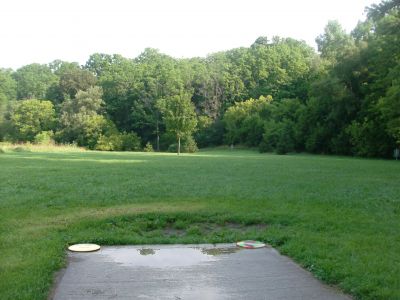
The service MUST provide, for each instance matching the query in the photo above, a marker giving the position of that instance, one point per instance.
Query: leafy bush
(368, 138)
(166, 139)
(44, 138)
(173, 148)
(148, 147)
(270, 137)
(188, 146)
(109, 143)
(6, 130)
(244, 121)
(130, 141)
(278, 137)
(285, 142)
(118, 142)
(30, 117)
(209, 133)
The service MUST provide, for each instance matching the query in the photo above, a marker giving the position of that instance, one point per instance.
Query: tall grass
(29, 147)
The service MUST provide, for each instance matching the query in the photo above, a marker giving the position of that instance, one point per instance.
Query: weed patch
(166, 228)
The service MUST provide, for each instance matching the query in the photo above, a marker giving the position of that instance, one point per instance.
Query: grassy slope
(339, 217)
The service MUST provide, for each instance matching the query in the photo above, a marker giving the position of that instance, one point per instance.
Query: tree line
(278, 95)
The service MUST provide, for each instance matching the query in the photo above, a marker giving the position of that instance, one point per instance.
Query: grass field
(338, 217)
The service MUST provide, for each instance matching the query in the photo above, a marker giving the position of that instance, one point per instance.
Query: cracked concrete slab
(220, 271)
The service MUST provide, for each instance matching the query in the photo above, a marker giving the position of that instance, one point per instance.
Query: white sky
(43, 30)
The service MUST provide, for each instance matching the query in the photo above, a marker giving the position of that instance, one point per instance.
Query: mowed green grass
(338, 217)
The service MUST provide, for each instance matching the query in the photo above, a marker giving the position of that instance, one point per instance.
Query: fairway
(336, 216)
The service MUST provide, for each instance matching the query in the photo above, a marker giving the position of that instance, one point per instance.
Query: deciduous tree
(179, 116)
(30, 117)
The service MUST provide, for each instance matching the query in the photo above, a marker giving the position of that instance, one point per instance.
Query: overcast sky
(43, 30)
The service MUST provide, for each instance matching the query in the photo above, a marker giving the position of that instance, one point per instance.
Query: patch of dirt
(169, 231)
(213, 227)
(243, 227)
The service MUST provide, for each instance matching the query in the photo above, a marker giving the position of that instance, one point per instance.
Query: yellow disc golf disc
(84, 247)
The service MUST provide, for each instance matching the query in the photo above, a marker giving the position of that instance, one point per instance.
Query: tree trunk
(179, 145)
(158, 138)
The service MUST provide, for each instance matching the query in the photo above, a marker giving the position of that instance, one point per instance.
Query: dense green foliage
(342, 100)
(30, 117)
(244, 121)
(80, 120)
(337, 216)
(179, 116)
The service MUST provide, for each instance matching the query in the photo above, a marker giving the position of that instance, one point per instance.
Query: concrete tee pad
(221, 271)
